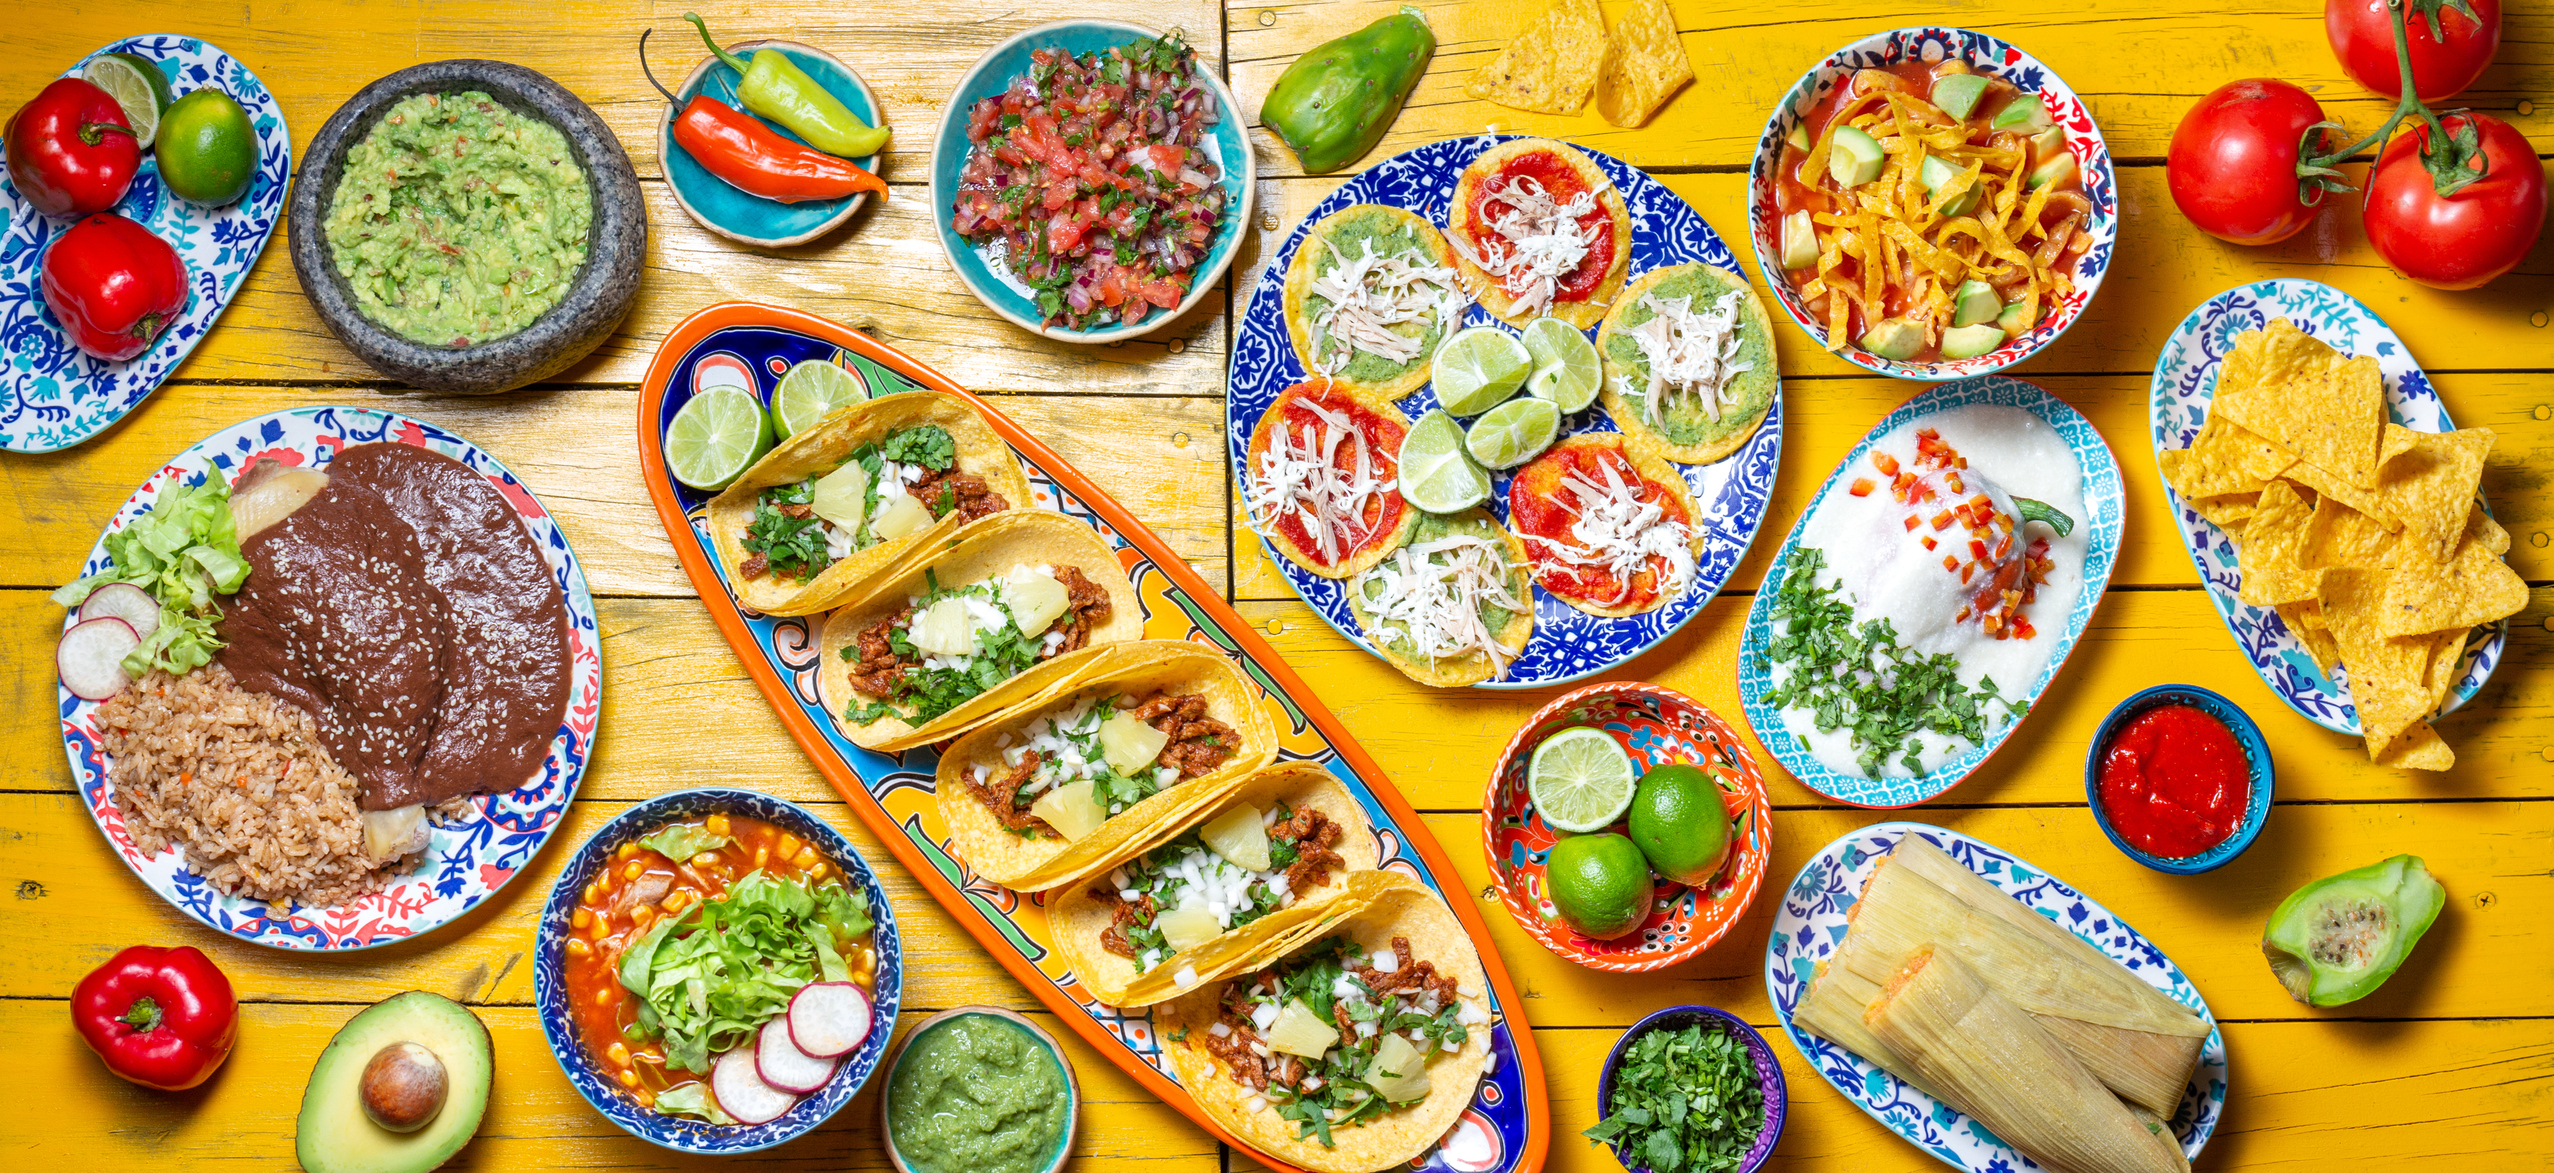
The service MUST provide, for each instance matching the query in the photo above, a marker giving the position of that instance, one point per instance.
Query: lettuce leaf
(713, 975)
(185, 551)
(692, 1099)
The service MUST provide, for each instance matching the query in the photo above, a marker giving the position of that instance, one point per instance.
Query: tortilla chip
(2479, 527)
(2268, 555)
(1644, 65)
(2389, 677)
(1552, 66)
(2398, 440)
(2339, 536)
(2226, 458)
(2430, 489)
(2418, 749)
(2447, 652)
(2230, 512)
(2473, 589)
(2333, 486)
(2323, 409)
(2305, 621)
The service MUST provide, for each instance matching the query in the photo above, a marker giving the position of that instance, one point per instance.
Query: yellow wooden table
(2450, 1066)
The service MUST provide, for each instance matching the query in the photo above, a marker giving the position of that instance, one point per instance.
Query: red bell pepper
(163, 1018)
(114, 285)
(70, 150)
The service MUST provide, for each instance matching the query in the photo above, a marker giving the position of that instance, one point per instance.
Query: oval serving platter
(472, 857)
(1507, 1126)
(1812, 920)
(2105, 508)
(2186, 381)
(1568, 644)
(52, 396)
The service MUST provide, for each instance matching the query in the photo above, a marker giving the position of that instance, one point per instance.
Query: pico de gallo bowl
(1932, 203)
(1091, 179)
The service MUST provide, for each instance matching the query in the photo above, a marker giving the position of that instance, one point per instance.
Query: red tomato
(2233, 162)
(2463, 240)
(2362, 36)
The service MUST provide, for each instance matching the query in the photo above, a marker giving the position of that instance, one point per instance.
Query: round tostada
(1610, 529)
(1371, 292)
(1689, 362)
(1321, 478)
(1454, 605)
(1538, 229)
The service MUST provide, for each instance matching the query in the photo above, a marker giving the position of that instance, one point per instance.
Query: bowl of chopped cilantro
(1090, 179)
(1691, 1089)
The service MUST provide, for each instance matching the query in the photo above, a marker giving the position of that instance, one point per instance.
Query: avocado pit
(403, 1087)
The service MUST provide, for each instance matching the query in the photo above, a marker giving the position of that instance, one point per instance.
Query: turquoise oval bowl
(1228, 141)
(735, 214)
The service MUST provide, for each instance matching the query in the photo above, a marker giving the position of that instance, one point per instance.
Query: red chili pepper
(163, 1018)
(736, 147)
(70, 150)
(114, 285)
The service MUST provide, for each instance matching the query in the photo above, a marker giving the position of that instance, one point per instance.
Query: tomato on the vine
(2233, 163)
(2451, 42)
(2471, 235)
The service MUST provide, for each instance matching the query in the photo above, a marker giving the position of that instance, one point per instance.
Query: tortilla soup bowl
(2261, 777)
(2073, 165)
(1656, 726)
(772, 875)
(1759, 1052)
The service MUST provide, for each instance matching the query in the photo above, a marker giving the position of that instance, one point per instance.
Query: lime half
(719, 434)
(1565, 366)
(1479, 367)
(1581, 779)
(811, 391)
(1435, 474)
(1514, 432)
(136, 83)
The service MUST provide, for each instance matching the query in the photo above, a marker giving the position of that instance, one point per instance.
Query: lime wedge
(136, 84)
(1435, 474)
(811, 391)
(1581, 779)
(1479, 367)
(1565, 366)
(719, 434)
(1514, 432)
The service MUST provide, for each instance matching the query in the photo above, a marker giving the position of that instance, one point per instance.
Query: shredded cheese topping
(1299, 473)
(1368, 295)
(1432, 596)
(1691, 355)
(1533, 244)
(1619, 533)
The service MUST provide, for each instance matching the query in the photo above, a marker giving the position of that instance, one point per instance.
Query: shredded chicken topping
(1618, 532)
(1368, 295)
(1532, 245)
(1433, 593)
(1299, 473)
(1691, 355)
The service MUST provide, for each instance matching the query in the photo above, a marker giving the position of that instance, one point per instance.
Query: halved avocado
(1971, 341)
(1893, 338)
(2337, 939)
(1958, 93)
(1975, 302)
(1854, 158)
(336, 1132)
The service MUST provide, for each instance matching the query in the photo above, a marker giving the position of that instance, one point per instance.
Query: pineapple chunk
(1130, 745)
(1187, 927)
(1035, 598)
(1299, 1031)
(842, 496)
(1399, 1072)
(1072, 809)
(901, 516)
(1237, 835)
(944, 628)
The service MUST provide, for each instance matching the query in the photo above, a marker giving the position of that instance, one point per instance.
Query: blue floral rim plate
(2186, 381)
(1811, 920)
(1568, 644)
(2105, 507)
(721, 206)
(52, 396)
(471, 858)
(2263, 775)
(549, 975)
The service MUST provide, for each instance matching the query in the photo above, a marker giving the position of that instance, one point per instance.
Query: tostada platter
(1113, 721)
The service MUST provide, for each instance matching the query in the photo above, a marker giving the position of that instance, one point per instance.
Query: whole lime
(1678, 822)
(207, 150)
(1600, 884)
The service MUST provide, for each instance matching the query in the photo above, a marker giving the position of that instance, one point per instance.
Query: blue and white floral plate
(472, 857)
(1812, 920)
(2185, 382)
(1568, 644)
(52, 396)
(2105, 509)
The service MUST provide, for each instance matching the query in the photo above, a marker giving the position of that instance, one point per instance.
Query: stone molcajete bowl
(616, 246)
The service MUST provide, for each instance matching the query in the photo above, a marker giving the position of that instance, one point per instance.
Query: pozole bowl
(598, 1086)
(1228, 141)
(2263, 778)
(1759, 1052)
(1987, 55)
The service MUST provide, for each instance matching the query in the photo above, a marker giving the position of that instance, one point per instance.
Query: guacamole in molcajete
(457, 221)
(976, 1094)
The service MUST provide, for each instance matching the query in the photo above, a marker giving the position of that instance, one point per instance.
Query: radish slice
(125, 601)
(827, 1019)
(742, 1092)
(90, 657)
(783, 1065)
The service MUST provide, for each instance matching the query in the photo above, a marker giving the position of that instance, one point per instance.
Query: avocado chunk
(372, 1074)
(1937, 174)
(2055, 171)
(1799, 136)
(2048, 144)
(1971, 341)
(1854, 158)
(1893, 338)
(1799, 241)
(1958, 93)
(2337, 939)
(1974, 302)
(2015, 320)
(2028, 114)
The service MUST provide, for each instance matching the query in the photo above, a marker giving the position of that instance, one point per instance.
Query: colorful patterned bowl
(2256, 753)
(1989, 55)
(1657, 726)
(731, 212)
(549, 975)
(1768, 1076)
(1072, 1085)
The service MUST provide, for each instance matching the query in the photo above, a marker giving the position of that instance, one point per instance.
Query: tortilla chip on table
(1550, 68)
(2268, 556)
(1644, 65)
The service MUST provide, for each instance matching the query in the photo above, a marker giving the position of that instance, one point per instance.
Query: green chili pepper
(2044, 513)
(1334, 103)
(773, 86)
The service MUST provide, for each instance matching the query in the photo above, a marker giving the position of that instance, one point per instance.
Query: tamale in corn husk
(1997, 1065)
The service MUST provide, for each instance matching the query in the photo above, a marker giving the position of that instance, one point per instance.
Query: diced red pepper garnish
(1953, 480)
(1887, 464)
(2022, 628)
(1942, 520)
(1911, 521)
(1966, 570)
(1928, 543)
(1984, 503)
(1951, 563)
(1860, 487)
(1977, 549)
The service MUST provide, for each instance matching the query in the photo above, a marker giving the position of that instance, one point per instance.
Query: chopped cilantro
(793, 546)
(1010, 122)
(1860, 677)
(930, 446)
(1685, 1100)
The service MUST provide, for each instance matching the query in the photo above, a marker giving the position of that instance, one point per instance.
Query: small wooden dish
(896, 1059)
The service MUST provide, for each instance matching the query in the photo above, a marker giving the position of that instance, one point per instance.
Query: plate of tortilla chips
(2334, 512)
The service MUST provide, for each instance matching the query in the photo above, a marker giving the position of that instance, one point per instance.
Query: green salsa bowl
(968, 1061)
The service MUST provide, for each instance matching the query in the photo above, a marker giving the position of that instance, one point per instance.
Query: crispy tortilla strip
(1644, 65)
(2267, 556)
(2430, 489)
(1550, 68)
